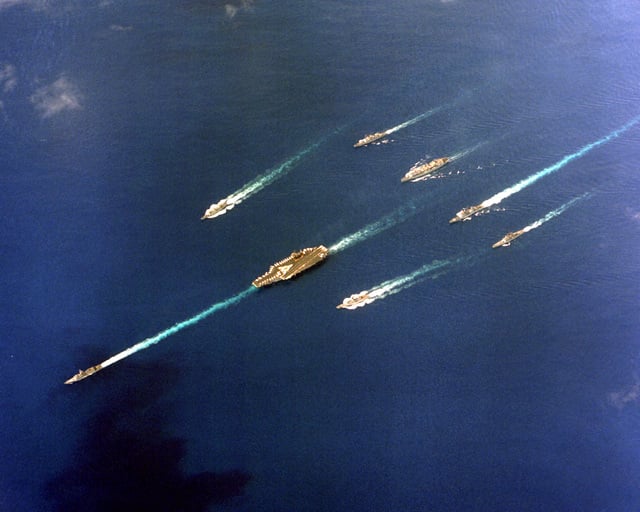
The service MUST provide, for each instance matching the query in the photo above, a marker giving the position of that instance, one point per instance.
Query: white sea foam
(398, 284)
(508, 192)
(219, 306)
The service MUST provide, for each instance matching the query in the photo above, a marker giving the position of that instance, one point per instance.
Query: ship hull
(467, 213)
(357, 300)
(418, 172)
(217, 209)
(369, 139)
(83, 374)
(508, 238)
(292, 265)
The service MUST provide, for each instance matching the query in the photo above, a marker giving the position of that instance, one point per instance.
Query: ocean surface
(478, 379)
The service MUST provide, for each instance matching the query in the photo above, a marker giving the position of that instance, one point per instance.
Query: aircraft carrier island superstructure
(292, 265)
(420, 171)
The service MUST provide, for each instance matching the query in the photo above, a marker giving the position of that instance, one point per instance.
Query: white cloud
(633, 214)
(8, 79)
(3, 111)
(9, 3)
(35, 4)
(625, 396)
(232, 10)
(52, 99)
(121, 28)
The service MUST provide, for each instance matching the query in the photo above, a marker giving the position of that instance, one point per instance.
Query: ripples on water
(175, 117)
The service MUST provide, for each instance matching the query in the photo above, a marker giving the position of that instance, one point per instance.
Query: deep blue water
(510, 381)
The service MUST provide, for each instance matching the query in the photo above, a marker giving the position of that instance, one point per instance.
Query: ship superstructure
(292, 265)
(368, 139)
(508, 238)
(357, 300)
(467, 213)
(218, 208)
(420, 171)
(83, 374)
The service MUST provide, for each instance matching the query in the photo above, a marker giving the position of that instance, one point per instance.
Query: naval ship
(292, 265)
(370, 138)
(419, 171)
(217, 209)
(83, 374)
(508, 238)
(356, 300)
(467, 213)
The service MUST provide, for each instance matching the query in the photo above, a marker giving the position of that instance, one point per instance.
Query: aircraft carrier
(419, 171)
(292, 265)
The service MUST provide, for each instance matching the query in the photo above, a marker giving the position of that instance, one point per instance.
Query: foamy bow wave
(257, 184)
(396, 285)
(509, 237)
(424, 174)
(177, 327)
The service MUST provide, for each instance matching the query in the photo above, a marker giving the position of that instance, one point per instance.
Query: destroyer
(419, 171)
(467, 213)
(292, 265)
(508, 238)
(218, 208)
(370, 138)
(83, 374)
